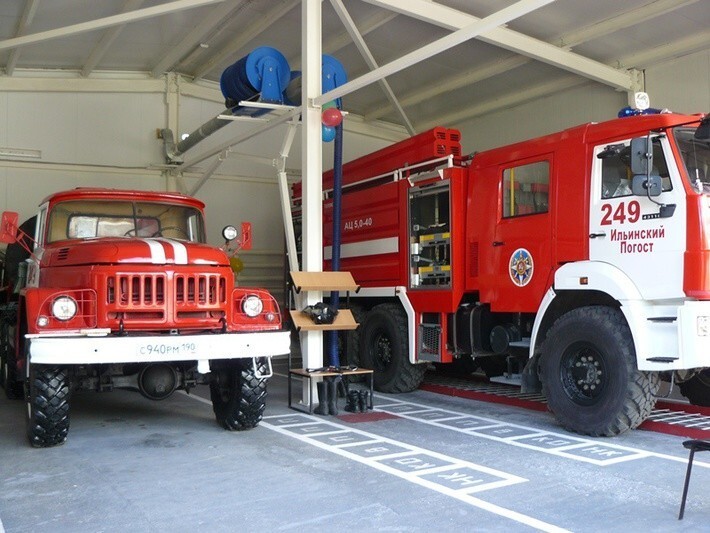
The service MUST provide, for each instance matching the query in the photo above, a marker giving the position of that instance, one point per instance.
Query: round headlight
(229, 233)
(64, 308)
(252, 305)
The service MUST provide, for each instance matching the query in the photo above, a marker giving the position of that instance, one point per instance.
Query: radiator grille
(136, 290)
(200, 289)
(429, 342)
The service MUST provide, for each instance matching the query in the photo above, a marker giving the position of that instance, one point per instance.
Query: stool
(693, 446)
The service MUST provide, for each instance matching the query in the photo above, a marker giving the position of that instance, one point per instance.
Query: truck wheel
(352, 346)
(238, 396)
(589, 375)
(697, 389)
(384, 348)
(47, 406)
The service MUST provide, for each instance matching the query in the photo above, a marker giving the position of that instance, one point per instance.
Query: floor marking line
(642, 453)
(417, 479)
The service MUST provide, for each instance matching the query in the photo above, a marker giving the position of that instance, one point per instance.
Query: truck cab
(121, 290)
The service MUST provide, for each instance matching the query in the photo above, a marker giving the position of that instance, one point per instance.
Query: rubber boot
(352, 405)
(361, 404)
(332, 387)
(322, 408)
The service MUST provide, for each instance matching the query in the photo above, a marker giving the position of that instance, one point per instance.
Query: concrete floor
(430, 463)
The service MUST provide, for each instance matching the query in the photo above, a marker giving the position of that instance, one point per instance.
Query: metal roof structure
(563, 44)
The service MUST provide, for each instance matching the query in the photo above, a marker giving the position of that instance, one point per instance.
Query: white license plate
(166, 349)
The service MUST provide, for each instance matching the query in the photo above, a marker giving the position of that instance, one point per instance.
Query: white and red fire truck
(120, 290)
(579, 261)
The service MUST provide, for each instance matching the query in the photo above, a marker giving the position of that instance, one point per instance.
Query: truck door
(626, 230)
(521, 250)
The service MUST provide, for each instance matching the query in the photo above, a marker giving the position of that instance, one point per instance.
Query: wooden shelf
(323, 281)
(344, 320)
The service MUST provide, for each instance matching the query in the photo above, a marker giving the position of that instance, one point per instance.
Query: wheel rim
(583, 373)
(381, 349)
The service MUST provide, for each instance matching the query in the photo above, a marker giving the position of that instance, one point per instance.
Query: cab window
(616, 168)
(526, 189)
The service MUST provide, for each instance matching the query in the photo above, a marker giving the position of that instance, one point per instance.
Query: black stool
(693, 446)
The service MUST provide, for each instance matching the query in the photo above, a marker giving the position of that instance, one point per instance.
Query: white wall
(105, 139)
(682, 85)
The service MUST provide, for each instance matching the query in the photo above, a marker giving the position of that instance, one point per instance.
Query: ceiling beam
(215, 19)
(107, 39)
(342, 40)
(249, 33)
(357, 38)
(451, 83)
(621, 21)
(106, 22)
(663, 52)
(25, 20)
(514, 41)
(466, 33)
(568, 40)
(514, 98)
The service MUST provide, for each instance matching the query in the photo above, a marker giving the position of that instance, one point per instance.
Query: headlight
(64, 308)
(229, 233)
(252, 305)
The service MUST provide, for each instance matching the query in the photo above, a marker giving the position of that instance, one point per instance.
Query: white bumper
(76, 350)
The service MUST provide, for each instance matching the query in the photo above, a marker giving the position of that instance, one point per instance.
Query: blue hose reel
(261, 75)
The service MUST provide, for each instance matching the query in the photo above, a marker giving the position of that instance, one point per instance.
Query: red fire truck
(578, 262)
(120, 290)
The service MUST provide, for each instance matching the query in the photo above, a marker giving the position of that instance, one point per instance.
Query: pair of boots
(327, 398)
(358, 401)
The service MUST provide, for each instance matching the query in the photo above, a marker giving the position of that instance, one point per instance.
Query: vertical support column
(173, 179)
(312, 167)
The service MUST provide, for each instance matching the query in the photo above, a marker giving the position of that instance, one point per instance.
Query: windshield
(696, 157)
(86, 219)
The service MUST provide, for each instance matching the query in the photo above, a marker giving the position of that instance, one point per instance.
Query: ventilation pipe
(261, 76)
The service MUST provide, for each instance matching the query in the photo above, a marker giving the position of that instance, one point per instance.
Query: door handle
(595, 235)
(498, 243)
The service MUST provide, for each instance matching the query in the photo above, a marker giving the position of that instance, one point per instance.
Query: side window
(526, 189)
(616, 168)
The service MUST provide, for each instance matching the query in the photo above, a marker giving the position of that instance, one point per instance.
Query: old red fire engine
(121, 291)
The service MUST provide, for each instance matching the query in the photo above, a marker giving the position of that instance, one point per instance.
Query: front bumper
(85, 349)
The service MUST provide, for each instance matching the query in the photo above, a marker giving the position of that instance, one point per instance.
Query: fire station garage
(399, 265)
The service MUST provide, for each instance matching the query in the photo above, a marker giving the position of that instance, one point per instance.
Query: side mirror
(8, 227)
(642, 185)
(641, 155)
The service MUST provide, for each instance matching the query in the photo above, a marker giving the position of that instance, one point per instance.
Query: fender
(605, 278)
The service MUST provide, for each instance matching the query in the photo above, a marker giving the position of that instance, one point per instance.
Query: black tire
(238, 396)
(384, 348)
(47, 406)
(589, 375)
(352, 343)
(697, 389)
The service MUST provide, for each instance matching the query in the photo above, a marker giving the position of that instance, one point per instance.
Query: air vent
(62, 254)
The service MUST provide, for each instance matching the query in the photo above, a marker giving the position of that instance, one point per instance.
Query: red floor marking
(648, 425)
(371, 416)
